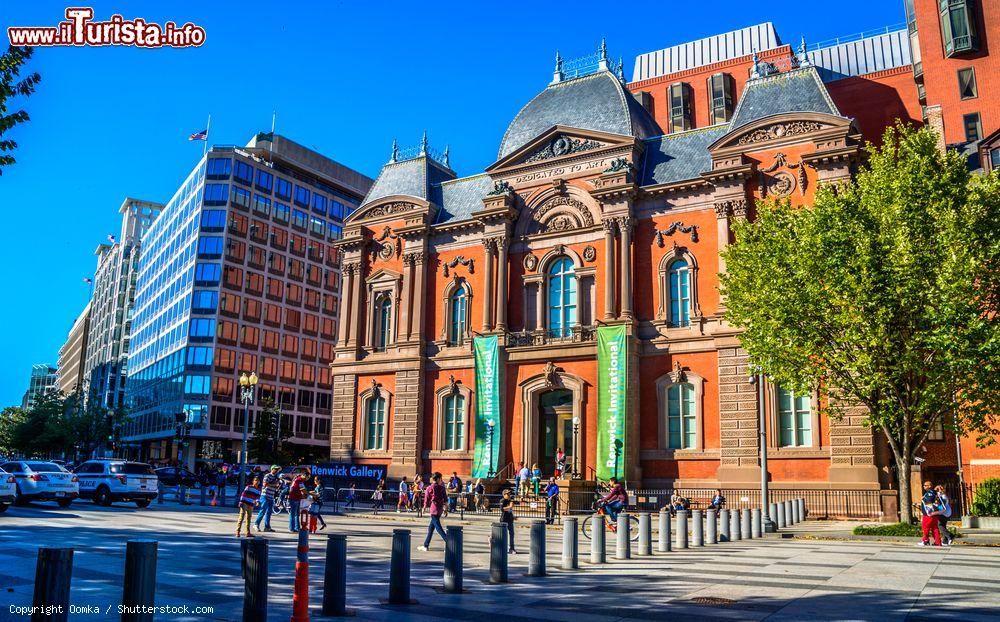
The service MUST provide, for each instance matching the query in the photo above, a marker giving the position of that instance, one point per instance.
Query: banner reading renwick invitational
(612, 374)
(487, 405)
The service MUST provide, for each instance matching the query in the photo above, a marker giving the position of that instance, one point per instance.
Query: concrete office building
(105, 366)
(71, 354)
(44, 378)
(238, 274)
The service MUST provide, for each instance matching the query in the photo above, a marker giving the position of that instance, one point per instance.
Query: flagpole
(208, 127)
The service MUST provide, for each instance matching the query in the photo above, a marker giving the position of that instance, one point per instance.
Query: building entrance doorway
(556, 423)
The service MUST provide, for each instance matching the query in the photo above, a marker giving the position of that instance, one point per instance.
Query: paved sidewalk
(773, 579)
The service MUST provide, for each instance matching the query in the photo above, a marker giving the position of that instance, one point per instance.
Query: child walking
(248, 499)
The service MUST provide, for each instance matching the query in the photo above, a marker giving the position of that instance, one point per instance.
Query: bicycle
(280, 501)
(633, 522)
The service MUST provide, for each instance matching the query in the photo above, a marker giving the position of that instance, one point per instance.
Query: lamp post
(576, 448)
(247, 386)
(489, 441)
(618, 453)
(767, 522)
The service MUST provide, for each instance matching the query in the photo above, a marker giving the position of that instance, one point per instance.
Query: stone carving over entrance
(562, 213)
(780, 130)
(388, 210)
(387, 245)
(563, 145)
(782, 184)
(459, 261)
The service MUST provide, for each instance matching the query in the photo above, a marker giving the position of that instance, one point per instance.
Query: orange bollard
(300, 598)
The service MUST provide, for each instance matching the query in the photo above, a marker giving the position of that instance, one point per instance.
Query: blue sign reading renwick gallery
(348, 470)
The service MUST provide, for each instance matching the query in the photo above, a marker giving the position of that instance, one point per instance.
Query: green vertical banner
(487, 450)
(612, 376)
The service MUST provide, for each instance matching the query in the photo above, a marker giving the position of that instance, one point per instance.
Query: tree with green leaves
(13, 85)
(11, 419)
(885, 294)
(43, 432)
(265, 444)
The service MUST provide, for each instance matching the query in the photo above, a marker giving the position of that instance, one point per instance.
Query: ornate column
(625, 224)
(539, 305)
(417, 297)
(501, 313)
(723, 211)
(405, 330)
(609, 269)
(490, 285)
(347, 302)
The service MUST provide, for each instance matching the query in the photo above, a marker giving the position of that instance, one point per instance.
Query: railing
(868, 34)
(821, 504)
(528, 338)
(458, 503)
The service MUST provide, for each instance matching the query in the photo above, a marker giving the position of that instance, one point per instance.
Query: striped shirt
(271, 485)
(250, 495)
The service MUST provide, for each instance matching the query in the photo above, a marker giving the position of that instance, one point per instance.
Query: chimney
(934, 120)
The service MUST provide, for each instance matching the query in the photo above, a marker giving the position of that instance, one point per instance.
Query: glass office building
(238, 275)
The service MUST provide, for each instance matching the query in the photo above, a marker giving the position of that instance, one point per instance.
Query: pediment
(559, 143)
(781, 129)
(383, 275)
(392, 208)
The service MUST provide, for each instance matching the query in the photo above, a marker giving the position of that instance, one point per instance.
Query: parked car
(8, 490)
(176, 476)
(42, 481)
(107, 481)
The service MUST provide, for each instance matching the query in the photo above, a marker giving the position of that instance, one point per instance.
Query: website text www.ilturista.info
(80, 29)
(108, 610)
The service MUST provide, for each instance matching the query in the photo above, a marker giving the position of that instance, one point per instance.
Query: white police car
(39, 480)
(8, 490)
(107, 481)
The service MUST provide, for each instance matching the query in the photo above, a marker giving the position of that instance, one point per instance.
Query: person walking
(480, 491)
(536, 478)
(522, 480)
(220, 484)
(351, 495)
(296, 493)
(929, 516)
(404, 496)
(944, 509)
(316, 509)
(271, 485)
(417, 496)
(435, 498)
(378, 496)
(248, 499)
(551, 501)
(507, 517)
(454, 489)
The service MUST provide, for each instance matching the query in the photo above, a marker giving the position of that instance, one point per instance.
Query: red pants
(930, 524)
(312, 523)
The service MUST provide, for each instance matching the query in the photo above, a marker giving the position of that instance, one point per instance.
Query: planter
(981, 522)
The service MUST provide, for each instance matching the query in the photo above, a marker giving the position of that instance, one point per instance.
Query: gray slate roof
(799, 90)
(409, 177)
(596, 102)
(458, 198)
(680, 156)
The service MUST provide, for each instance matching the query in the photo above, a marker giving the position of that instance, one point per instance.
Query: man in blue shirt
(551, 500)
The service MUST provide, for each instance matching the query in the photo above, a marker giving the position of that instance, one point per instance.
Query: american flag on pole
(202, 135)
(88, 281)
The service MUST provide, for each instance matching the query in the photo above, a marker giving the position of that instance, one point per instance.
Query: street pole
(767, 524)
(247, 386)
(576, 448)
(489, 441)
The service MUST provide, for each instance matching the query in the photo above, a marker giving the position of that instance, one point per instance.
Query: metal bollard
(536, 553)
(802, 509)
(664, 543)
(697, 529)
(796, 514)
(758, 523)
(598, 552)
(253, 554)
(570, 559)
(711, 527)
(681, 539)
(335, 576)
(140, 579)
(498, 553)
(724, 535)
(453, 560)
(781, 516)
(399, 568)
(734, 526)
(789, 520)
(53, 572)
(645, 534)
(746, 530)
(772, 514)
(623, 546)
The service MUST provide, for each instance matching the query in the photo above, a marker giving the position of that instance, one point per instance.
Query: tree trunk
(905, 499)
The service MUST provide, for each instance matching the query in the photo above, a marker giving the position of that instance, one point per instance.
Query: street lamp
(618, 453)
(767, 524)
(576, 448)
(489, 441)
(247, 386)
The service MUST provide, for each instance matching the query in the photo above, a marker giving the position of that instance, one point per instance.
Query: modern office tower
(44, 378)
(238, 274)
(72, 353)
(105, 366)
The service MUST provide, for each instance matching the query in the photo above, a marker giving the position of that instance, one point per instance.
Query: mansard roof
(459, 198)
(679, 156)
(596, 102)
(413, 177)
(798, 90)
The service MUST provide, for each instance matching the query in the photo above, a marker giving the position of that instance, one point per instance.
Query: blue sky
(345, 79)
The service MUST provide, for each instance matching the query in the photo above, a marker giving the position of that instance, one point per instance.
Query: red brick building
(607, 206)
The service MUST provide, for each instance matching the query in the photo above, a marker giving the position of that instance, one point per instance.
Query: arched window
(562, 297)
(383, 309)
(454, 422)
(375, 423)
(681, 420)
(794, 419)
(679, 276)
(459, 302)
